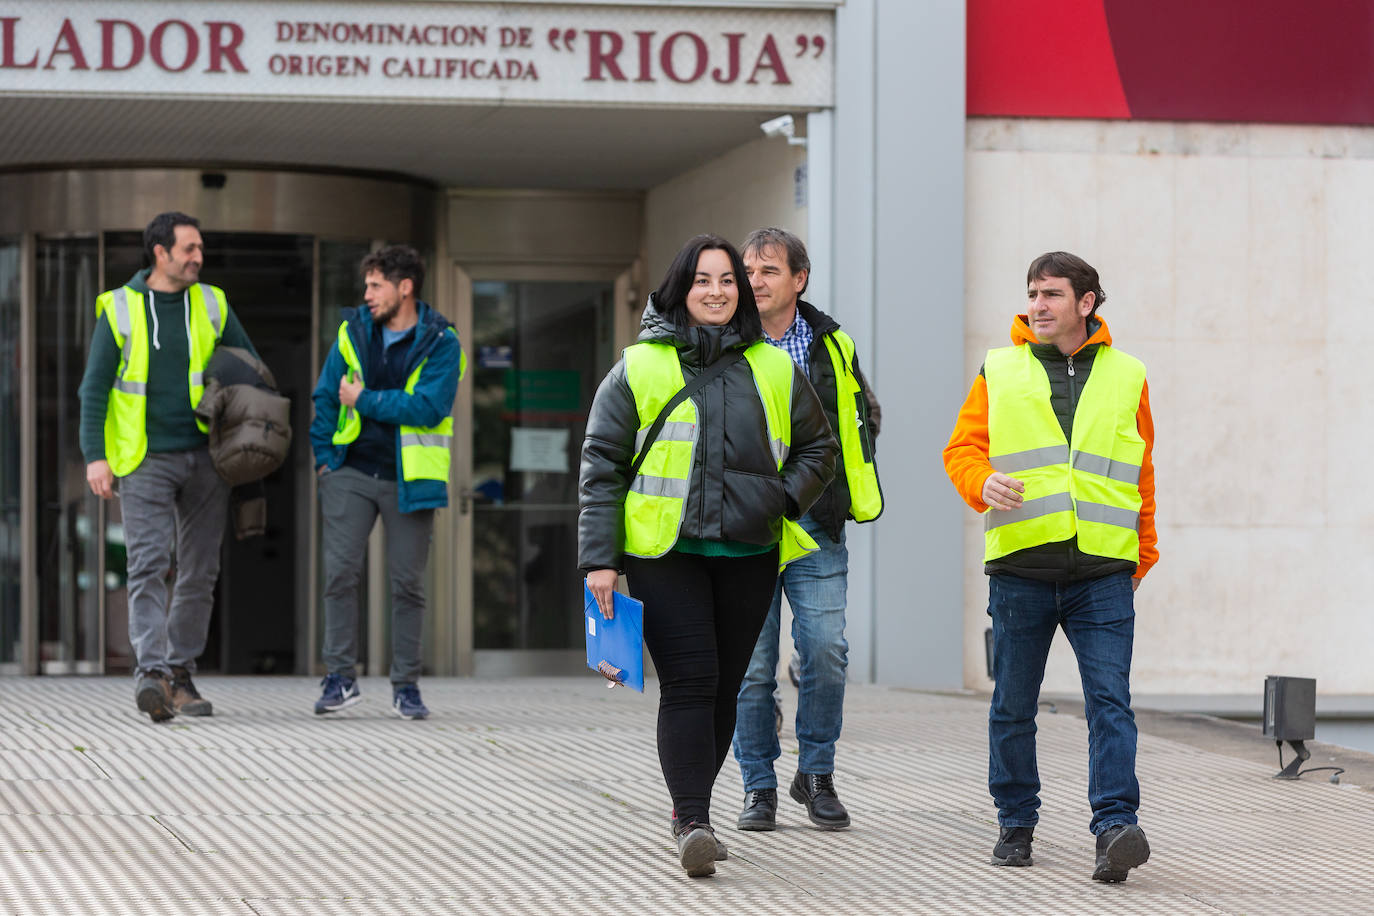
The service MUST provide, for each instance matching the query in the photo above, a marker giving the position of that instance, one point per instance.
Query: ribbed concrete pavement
(544, 796)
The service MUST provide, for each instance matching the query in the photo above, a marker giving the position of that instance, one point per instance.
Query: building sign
(442, 52)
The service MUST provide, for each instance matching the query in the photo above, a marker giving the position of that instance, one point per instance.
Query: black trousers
(702, 617)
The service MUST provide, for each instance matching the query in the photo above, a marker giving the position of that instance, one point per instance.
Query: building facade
(548, 158)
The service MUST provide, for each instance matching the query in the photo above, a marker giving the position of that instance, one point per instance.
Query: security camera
(782, 126)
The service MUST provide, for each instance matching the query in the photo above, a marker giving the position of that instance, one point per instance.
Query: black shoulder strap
(716, 368)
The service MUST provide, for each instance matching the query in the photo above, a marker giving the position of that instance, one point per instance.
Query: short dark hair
(773, 237)
(397, 263)
(671, 296)
(163, 231)
(1081, 275)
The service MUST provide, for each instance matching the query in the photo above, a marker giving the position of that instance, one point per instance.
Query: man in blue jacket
(381, 436)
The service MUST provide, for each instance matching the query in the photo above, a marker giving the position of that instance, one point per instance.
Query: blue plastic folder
(619, 641)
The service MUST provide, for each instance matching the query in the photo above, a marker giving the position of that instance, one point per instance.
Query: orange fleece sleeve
(966, 455)
(1144, 422)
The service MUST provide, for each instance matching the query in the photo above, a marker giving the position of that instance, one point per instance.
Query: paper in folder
(619, 642)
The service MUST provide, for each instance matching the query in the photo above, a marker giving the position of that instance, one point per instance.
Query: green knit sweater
(171, 426)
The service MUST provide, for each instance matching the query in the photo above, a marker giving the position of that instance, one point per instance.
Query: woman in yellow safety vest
(699, 515)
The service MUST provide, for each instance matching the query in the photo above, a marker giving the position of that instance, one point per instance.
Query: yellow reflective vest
(125, 310)
(657, 496)
(425, 451)
(1088, 487)
(856, 449)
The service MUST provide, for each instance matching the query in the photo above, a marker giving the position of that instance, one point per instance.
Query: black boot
(817, 792)
(1013, 846)
(1120, 849)
(153, 695)
(760, 810)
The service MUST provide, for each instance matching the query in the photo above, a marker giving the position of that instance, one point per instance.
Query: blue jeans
(816, 586)
(1098, 617)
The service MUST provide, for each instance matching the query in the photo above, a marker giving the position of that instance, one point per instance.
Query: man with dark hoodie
(143, 381)
(1053, 446)
(816, 585)
(381, 437)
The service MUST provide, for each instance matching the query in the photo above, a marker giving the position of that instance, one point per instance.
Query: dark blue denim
(1098, 617)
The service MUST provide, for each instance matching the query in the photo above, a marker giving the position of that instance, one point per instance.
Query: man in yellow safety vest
(381, 437)
(816, 585)
(153, 339)
(1053, 445)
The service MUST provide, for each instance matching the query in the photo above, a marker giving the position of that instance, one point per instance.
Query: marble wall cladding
(1237, 263)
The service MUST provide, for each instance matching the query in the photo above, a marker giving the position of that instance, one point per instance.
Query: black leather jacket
(736, 492)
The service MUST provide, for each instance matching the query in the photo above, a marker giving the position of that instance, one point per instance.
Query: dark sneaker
(760, 810)
(1120, 849)
(339, 693)
(817, 792)
(406, 702)
(1013, 847)
(186, 699)
(721, 852)
(697, 849)
(153, 694)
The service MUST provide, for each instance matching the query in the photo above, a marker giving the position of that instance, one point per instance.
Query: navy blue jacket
(432, 400)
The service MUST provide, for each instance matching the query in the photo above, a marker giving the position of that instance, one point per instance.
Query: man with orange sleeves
(1053, 446)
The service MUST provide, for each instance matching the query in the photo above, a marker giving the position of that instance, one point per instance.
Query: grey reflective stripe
(1031, 508)
(660, 486)
(1031, 458)
(1108, 515)
(1106, 467)
(673, 431)
(212, 308)
(439, 440)
(197, 379)
(780, 451)
(121, 310)
(139, 388)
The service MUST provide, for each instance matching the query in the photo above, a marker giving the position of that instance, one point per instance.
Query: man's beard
(386, 314)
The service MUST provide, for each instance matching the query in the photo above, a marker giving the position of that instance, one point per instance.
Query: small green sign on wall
(543, 389)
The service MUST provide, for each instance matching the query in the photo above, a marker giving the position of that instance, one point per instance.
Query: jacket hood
(1021, 332)
(696, 346)
(820, 322)
(428, 320)
(139, 281)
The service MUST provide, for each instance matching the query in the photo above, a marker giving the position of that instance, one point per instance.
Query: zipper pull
(1070, 359)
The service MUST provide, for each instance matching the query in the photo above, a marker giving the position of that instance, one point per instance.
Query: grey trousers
(172, 500)
(350, 502)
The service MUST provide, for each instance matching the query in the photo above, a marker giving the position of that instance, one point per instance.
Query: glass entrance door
(538, 350)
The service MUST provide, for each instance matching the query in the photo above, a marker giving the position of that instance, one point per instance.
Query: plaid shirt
(796, 341)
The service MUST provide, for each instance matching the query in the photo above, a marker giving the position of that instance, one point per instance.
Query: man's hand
(601, 583)
(100, 478)
(1135, 584)
(1003, 492)
(349, 391)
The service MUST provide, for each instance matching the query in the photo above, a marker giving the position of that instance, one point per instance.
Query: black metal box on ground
(1290, 708)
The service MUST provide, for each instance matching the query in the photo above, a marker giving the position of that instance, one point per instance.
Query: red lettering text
(7, 32)
(732, 40)
(770, 59)
(155, 45)
(107, 44)
(67, 43)
(665, 57)
(597, 58)
(222, 49)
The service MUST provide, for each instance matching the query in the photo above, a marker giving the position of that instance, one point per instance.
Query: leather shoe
(760, 810)
(817, 792)
(1120, 848)
(696, 849)
(1013, 847)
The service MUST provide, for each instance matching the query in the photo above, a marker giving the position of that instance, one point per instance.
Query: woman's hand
(601, 583)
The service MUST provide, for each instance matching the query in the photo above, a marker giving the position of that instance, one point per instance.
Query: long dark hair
(671, 296)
